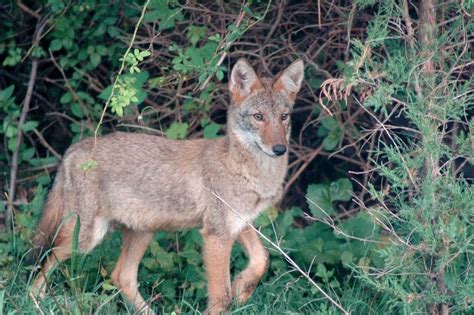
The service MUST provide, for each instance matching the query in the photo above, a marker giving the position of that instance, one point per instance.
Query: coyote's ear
(289, 81)
(243, 81)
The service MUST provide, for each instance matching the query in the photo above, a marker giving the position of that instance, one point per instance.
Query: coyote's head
(259, 116)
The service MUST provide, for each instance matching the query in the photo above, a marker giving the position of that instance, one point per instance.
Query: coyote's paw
(243, 287)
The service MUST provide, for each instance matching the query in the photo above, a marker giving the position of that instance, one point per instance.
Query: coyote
(145, 183)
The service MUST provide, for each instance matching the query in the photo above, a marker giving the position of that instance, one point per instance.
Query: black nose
(279, 149)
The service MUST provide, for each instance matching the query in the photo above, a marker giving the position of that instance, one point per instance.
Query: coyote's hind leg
(125, 273)
(60, 252)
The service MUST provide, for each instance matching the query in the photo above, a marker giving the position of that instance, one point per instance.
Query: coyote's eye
(284, 116)
(258, 117)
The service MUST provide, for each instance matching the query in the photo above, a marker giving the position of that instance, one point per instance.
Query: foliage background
(379, 204)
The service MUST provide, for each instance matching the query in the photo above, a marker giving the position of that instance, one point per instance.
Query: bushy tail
(51, 218)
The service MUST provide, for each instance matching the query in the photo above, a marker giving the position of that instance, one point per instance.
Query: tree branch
(14, 166)
(24, 111)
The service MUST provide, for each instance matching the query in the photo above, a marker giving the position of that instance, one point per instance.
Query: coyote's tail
(51, 218)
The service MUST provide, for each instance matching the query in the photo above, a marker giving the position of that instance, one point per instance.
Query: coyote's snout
(146, 183)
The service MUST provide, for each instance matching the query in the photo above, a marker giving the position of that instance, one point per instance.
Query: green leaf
(195, 33)
(12, 144)
(56, 44)
(177, 130)
(286, 219)
(137, 79)
(154, 248)
(136, 53)
(347, 257)
(156, 82)
(319, 200)
(317, 244)
(6, 93)
(196, 56)
(267, 217)
(331, 131)
(215, 38)
(208, 50)
(331, 141)
(165, 258)
(194, 274)
(29, 125)
(95, 59)
(150, 263)
(102, 50)
(77, 110)
(329, 123)
(361, 226)
(220, 75)
(161, 12)
(65, 98)
(11, 131)
(43, 161)
(108, 286)
(14, 57)
(341, 190)
(89, 164)
(145, 54)
(118, 110)
(85, 97)
(43, 180)
(27, 154)
(22, 219)
(321, 271)
(113, 31)
(315, 81)
(322, 132)
(192, 256)
(321, 196)
(211, 130)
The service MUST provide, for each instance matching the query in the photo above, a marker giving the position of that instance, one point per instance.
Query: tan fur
(146, 183)
(245, 283)
(52, 215)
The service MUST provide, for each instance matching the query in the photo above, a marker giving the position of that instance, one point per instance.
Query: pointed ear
(289, 81)
(243, 81)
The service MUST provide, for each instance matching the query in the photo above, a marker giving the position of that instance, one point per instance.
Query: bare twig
(14, 164)
(24, 112)
(27, 10)
(46, 144)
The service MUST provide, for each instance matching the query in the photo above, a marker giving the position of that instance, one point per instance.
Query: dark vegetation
(379, 205)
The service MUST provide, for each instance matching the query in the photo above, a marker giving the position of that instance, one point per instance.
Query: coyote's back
(145, 183)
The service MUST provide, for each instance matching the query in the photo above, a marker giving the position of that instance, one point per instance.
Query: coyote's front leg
(217, 250)
(245, 283)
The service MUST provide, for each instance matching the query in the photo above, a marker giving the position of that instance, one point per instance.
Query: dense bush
(379, 202)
